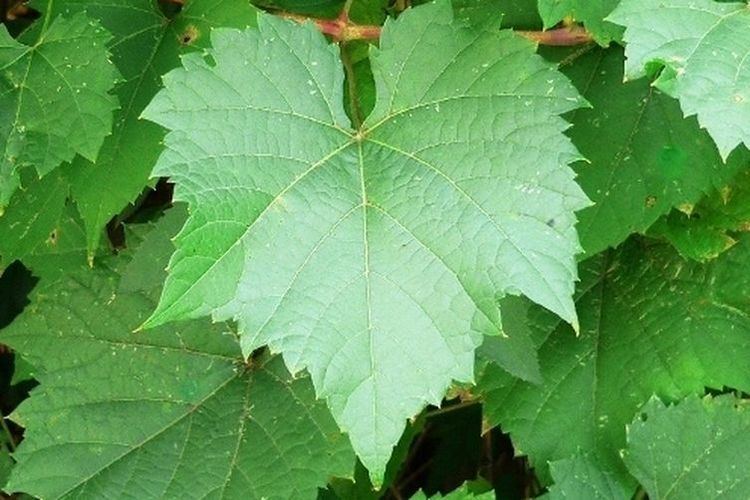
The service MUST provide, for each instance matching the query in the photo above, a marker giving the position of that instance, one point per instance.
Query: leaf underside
(703, 47)
(374, 258)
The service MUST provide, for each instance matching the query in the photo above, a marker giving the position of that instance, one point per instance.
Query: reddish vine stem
(561, 37)
(342, 29)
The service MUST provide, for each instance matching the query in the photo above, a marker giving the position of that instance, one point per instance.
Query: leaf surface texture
(373, 258)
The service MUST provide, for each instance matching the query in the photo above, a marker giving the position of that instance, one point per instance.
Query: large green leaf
(172, 413)
(703, 47)
(651, 323)
(373, 257)
(54, 98)
(696, 449)
(644, 158)
(146, 45)
(591, 13)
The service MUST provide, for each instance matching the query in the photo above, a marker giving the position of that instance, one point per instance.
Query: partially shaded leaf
(651, 323)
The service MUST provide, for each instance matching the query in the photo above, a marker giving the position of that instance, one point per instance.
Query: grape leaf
(651, 323)
(146, 44)
(579, 477)
(643, 157)
(463, 493)
(702, 232)
(32, 215)
(374, 258)
(54, 98)
(174, 413)
(22, 372)
(696, 449)
(591, 13)
(702, 46)
(515, 350)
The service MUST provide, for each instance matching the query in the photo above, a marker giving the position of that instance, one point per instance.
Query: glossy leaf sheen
(374, 257)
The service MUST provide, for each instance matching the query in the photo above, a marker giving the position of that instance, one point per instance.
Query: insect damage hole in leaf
(340, 248)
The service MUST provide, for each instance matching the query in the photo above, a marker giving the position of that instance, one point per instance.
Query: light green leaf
(644, 158)
(704, 231)
(696, 449)
(591, 13)
(172, 413)
(651, 323)
(146, 45)
(54, 98)
(580, 478)
(702, 46)
(350, 251)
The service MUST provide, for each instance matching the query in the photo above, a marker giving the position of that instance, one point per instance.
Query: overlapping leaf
(705, 230)
(374, 257)
(696, 449)
(644, 158)
(592, 13)
(54, 98)
(146, 45)
(703, 46)
(172, 413)
(579, 477)
(651, 323)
